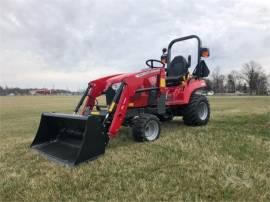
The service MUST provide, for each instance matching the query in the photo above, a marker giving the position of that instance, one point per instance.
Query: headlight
(115, 86)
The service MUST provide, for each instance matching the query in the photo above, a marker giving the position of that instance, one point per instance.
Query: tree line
(251, 79)
(27, 91)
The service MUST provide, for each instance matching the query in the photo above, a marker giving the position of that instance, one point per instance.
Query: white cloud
(67, 43)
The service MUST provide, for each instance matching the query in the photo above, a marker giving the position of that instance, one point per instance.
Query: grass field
(229, 159)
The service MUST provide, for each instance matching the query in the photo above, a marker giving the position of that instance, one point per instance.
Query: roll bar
(183, 39)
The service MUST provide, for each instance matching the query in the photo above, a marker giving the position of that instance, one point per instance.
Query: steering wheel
(150, 63)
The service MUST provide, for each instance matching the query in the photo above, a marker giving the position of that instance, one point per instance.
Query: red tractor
(138, 100)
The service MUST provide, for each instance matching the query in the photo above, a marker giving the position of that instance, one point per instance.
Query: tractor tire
(197, 112)
(146, 127)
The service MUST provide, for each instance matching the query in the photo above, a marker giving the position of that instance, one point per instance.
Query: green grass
(229, 159)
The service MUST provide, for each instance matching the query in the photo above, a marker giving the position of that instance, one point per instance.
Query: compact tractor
(140, 100)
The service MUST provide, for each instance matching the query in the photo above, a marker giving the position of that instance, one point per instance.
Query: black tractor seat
(177, 71)
(175, 81)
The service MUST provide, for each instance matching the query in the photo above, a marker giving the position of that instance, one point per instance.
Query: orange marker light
(205, 54)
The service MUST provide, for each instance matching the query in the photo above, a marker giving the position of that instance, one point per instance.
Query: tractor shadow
(173, 123)
(169, 127)
(125, 138)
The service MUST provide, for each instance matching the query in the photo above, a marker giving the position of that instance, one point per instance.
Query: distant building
(43, 91)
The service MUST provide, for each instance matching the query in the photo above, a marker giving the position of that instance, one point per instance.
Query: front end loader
(140, 100)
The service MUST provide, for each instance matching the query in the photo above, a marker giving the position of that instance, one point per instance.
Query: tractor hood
(120, 77)
(117, 78)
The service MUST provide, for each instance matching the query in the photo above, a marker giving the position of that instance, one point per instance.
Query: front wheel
(197, 112)
(146, 127)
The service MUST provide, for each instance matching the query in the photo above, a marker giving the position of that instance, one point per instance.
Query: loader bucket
(70, 139)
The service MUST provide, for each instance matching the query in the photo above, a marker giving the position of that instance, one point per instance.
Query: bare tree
(218, 81)
(235, 82)
(231, 84)
(255, 78)
(262, 85)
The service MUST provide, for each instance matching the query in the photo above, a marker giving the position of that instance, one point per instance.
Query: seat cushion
(174, 80)
(177, 67)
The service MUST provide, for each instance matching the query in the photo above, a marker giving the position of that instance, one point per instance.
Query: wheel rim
(203, 111)
(151, 130)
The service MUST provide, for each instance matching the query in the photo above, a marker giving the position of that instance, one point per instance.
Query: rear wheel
(146, 127)
(197, 112)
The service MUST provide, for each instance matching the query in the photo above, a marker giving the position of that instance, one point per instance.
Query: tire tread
(190, 115)
(139, 126)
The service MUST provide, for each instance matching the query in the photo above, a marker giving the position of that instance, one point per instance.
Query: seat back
(177, 67)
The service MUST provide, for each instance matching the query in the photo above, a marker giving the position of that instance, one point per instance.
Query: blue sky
(65, 44)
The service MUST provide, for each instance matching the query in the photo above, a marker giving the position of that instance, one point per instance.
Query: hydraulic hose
(81, 100)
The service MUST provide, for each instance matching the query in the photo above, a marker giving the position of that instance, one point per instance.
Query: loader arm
(95, 89)
(120, 104)
(119, 108)
(130, 85)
